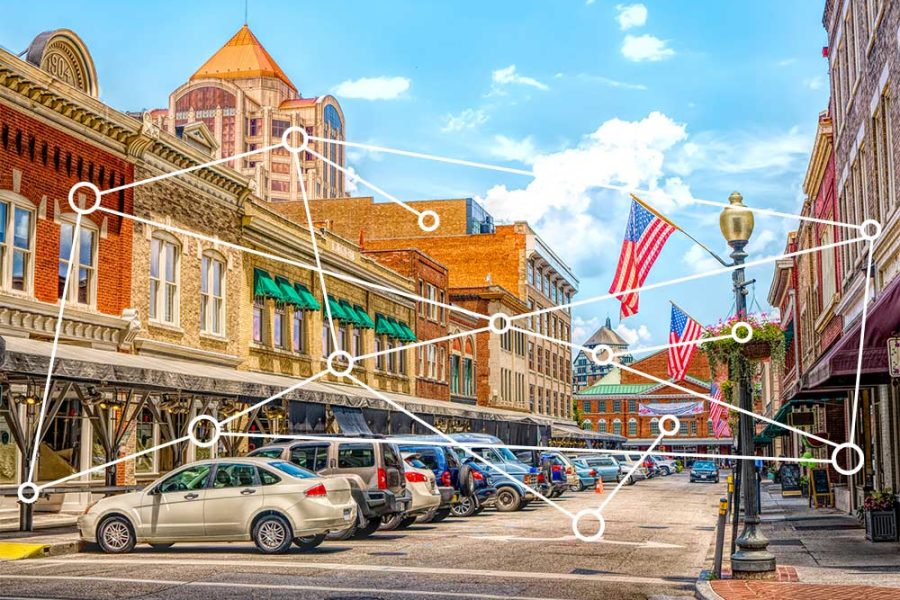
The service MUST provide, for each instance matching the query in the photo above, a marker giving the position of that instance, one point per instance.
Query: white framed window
(357, 341)
(432, 364)
(165, 262)
(654, 426)
(259, 308)
(632, 426)
(212, 293)
(299, 332)
(83, 252)
(278, 323)
(17, 226)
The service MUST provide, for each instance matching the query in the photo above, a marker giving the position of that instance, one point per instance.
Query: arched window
(17, 223)
(632, 426)
(212, 293)
(165, 263)
(601, 425)
(617, 427)
(654, 426)
(83, 255)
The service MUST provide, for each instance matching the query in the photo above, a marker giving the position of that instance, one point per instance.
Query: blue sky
(694, 98)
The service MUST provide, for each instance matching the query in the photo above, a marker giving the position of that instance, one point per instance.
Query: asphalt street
(657, 537)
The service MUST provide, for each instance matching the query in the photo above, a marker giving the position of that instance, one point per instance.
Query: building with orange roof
(247, 102)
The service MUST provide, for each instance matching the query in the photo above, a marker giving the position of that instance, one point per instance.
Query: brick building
(479, 254)
(246, 101)
(615, 405)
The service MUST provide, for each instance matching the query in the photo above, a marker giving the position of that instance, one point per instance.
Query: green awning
(384, 326)
(352, 317)
(408, 335)
(264, 286)
(288, 292)
(309, 301)
(337, 312)
(363, 317)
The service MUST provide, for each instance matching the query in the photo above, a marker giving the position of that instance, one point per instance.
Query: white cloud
(631, 15)
(373, 88)
(583, 328)
(350, 182)
(509, 76)
(509, 149)
(468, 119)
(632, 336)
(743, 152)
(639, 48)
(698, 260)
(611, 82)
(589, 2)
(786, 62)
(814, 83)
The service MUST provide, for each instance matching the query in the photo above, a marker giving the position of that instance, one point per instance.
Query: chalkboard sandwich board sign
(820, 488)
(790, 479)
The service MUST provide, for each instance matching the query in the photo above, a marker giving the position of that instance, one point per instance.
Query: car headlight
(88, 508)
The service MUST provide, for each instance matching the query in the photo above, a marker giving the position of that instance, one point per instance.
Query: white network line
(631, 471)
(697, 342)
(862, 338)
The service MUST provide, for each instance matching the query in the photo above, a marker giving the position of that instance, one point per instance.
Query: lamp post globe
(751, 558)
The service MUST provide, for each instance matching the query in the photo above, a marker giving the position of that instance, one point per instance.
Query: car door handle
(191, 496)
(248, 491)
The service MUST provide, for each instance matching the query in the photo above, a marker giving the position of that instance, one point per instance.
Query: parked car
(564, 465)
(426, 496)
(554, 482)
(512, 495)
(626, 461)
(472, 492)
(665, 465)
(703, 470)
(272, 502)
(587, 476)
(607, 467)
(375, 472)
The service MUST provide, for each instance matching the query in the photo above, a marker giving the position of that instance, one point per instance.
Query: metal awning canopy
(560, 430)
(682, 442)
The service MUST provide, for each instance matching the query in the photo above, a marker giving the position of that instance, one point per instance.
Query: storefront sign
(790, 479)
(672, 408)
(894, 356)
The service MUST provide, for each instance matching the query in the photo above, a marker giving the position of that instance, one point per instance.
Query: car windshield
(267, 452)
(292, 470)
(704, 465)
(580, 463)
(415, 462)
(507, 454)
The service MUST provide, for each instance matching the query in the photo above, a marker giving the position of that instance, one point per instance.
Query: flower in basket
(879, 501)
(766, 341)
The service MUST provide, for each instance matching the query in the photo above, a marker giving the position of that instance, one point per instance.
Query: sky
(690, 99)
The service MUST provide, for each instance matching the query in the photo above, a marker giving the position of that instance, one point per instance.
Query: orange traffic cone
(598, 487)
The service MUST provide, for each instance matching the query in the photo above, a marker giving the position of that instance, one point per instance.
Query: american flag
(682, 331)
(718, 413)
(645, 236)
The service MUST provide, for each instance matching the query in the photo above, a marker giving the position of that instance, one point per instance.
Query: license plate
(347, 514)
(703, 476)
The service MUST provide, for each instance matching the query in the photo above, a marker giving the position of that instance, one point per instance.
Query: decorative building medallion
(62, 54)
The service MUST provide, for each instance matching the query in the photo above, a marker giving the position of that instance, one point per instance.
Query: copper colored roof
(298, 102)
(241, 57)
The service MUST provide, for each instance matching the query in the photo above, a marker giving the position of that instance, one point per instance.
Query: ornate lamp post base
(752, 560)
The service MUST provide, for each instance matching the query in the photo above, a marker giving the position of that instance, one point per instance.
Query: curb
(703, 588)
(10, 551)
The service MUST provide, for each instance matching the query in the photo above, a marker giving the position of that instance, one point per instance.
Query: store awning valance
(337, 311)
(309, 301)
(387, 326)
(367, 322)
(351, 314)
(265, 287)
(406, 334)
(288, 292)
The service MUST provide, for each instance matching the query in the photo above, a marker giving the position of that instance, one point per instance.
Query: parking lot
(658, 533)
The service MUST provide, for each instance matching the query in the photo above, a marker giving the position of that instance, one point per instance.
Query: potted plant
(879, 513)
(804, 486)
(723, 350)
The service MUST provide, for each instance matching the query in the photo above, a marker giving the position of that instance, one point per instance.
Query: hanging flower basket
(766, 342)
(756, 350)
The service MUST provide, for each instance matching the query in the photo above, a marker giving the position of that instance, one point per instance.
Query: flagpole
(670, 222)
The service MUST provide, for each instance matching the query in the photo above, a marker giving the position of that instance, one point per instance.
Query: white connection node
(28, 493)
(210, 431)
(499, 323)
(340, 363)
(287, 136)
(87, 191)
(742, 332)
(871, 229)
(669, 425)
(857, 463)
(429, 220)
(601, 524)
(602, 355)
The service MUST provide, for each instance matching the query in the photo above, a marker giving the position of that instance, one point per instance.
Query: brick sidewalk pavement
(734, 589)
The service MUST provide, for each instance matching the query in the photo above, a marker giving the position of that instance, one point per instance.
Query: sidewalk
(821, 554)
(54, 534)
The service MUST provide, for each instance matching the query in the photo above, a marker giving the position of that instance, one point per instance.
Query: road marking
(443, 572)
(571, 538)
(272, 586)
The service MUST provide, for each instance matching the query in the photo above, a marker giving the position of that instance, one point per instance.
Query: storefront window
(146, 436)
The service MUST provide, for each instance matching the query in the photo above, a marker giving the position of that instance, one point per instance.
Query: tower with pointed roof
(586, 371)
(247, 101)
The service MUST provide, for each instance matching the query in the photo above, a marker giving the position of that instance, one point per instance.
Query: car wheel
(396, 521)
(428, 516)
(116, 535)
(272, 534)
(508, 500)
(665, 472)
(308, 543)
(466, 481)
(364, 531)
(440, 515)
(717, 480)
(631, 480)
(161, 546)
(466, 507)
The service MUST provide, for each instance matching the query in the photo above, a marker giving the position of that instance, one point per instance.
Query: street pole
(752, 559)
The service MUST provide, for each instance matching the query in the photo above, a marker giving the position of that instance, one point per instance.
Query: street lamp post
(752, 559)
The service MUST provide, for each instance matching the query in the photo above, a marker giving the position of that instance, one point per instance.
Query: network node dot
(871, 229)
(602, 355)
(91, 189)
(860, 457)
(340, 363)
(286, 138)
(601, 528)
(499, 323)
(213, 439)
(429, 220)
(738, 328)
(28, 493)
(669, 425)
